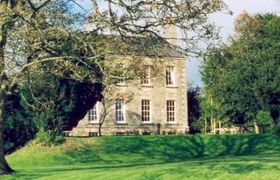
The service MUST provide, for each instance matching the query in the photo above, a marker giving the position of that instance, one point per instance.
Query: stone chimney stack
(170, 32)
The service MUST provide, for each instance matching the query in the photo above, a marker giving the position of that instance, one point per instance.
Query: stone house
(158, 104)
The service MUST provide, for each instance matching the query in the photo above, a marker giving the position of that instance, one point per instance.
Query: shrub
(48, 138)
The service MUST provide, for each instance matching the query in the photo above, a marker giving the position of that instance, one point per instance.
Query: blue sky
(226, 22)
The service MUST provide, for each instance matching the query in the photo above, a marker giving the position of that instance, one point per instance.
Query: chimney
(170, 31)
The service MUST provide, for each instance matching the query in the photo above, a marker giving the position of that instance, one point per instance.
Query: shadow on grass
(147, 151)
(244, 168)
(173, 148)
(232, 165)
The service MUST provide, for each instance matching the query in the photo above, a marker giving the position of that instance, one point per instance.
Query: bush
(48, 138)
(197, 126)
(264, 118)
(277, 127)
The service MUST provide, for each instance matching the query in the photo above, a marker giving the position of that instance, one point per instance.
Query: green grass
(152, 157)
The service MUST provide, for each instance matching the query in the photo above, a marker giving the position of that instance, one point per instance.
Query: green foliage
(18, 127)
(277, 128)
(244, 76)
(57, 104)
(48, 138)
(263, 118)
(36, 33)
(197, 126)
(193, 108)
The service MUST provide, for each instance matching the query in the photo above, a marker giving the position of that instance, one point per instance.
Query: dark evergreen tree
(18, 127)
(194, 113)
(57, 104)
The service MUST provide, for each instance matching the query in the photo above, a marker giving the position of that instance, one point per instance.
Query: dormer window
(170, 75)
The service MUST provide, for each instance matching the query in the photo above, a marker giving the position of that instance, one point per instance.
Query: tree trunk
(99, 130)
(220, 127)
(4, 167)
(257, 130)
(205, 125)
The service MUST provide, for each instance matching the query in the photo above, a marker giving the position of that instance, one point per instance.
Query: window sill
(94, 123)
(172, 123)
(171, 86)
(121, 85)
(121, 123)
(147, 123)
(146, 86)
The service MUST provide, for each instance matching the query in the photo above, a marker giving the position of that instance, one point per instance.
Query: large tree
(243, 76)
(35, 33)
(194, 98)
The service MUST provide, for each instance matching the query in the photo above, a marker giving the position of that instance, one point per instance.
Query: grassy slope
(152, 157)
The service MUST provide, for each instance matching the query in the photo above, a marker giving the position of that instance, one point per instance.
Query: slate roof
(148, 46)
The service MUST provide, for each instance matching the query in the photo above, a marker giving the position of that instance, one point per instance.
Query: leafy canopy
(243, 77)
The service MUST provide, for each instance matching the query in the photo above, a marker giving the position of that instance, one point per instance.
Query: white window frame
(146, 79)
(146, 112)
(120, 111)
(171, 111)
(121, 80)
(170, 76)
(93, 114)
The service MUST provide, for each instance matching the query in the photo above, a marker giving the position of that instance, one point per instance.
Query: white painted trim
(123, 110)
(172, 75)
(97, 114)
(149, 72)
(175, 110)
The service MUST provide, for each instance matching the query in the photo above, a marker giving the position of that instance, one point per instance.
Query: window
(120, 110)
(170, 75)
(93, 114)
(170, 109)
(145, 110)
(146, 79)
(120, 74)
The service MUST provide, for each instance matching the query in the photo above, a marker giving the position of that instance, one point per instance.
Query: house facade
(157, 103)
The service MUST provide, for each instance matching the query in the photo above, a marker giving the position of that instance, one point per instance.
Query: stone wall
(158, 93)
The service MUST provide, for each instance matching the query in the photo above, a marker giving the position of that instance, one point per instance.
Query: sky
(226, 22)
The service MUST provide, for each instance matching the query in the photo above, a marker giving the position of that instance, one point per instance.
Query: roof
(151, 46)
(142, 46)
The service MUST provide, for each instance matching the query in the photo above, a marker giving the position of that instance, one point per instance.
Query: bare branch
(33, 6)
(80, 6)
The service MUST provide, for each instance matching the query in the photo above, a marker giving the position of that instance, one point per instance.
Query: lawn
(152, 157)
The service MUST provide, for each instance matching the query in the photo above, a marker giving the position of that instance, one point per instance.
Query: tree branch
(36, 9)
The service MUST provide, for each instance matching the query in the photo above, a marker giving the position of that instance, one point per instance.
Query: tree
(107, 103)
(243, 76)
(194, 96)
(56, 104)
(146, 19)
(35, 34)
(32, 36)
(18, 125)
